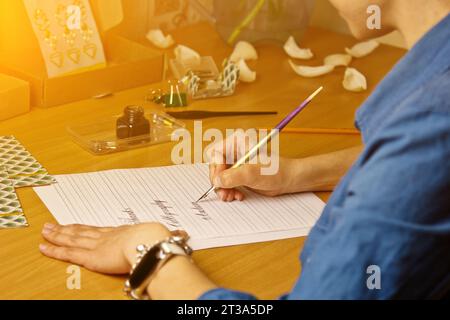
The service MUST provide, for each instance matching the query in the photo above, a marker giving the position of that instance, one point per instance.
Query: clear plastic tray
(207, 69)
(99, 137)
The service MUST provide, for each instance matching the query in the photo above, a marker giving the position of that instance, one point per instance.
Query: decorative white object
(244, 51)
(338, 60)
(245, 73)
(311, 72)
(294, 51)
(354, 80)
(159, 40)
(362, 49)
(187, 55)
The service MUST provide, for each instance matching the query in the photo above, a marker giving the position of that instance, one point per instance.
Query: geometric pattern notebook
(18, 168)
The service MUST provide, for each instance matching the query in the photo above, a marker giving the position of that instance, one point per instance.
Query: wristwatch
(150, 259)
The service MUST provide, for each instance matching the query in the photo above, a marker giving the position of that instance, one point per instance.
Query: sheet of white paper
(167, 195)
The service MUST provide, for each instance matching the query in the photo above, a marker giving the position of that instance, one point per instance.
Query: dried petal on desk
(245, 73)
(311, 72)
(362, 49)
(158, 39)
(354, 80)
(338, 60)
(244, 51)
(186, 55)
(294, 51)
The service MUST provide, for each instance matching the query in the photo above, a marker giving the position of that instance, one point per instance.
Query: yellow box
(129, 64)
(14, 97)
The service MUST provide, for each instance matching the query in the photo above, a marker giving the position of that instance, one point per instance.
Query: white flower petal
(354, 80)
(244, 51)
(311, 72)
(338, 60)
(158, 39)
(362, 49)
(187, 55)
(294, 51)
(245, 73)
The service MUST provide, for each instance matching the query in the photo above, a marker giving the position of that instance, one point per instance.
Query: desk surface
(25, 274)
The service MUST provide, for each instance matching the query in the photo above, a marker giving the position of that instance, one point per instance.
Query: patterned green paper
(18, 168)
(23, 169)
(9, 202)
(13, 221)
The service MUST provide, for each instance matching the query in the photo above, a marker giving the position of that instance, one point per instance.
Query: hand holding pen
(254, 150)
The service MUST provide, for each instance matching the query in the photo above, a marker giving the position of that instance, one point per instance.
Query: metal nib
(205, 195)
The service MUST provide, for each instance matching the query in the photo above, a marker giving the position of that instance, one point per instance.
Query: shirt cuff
(224, 294)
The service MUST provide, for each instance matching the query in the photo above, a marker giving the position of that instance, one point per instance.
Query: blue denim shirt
(391, 212)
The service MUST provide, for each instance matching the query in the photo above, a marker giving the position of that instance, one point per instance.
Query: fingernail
(49, 226)
(42, 247)
(217, 182)
(46, 231)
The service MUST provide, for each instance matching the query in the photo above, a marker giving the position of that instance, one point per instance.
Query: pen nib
(205, 195)
(200, 199)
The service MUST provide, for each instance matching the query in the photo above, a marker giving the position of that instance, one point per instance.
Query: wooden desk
(266, 269)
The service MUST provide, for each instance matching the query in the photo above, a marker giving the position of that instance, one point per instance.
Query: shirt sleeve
(224, 294)
(391, 236)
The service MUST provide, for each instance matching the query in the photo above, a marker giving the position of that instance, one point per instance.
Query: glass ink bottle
(133, 123)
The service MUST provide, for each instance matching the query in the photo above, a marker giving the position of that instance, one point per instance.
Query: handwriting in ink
(131, 218)
(167, 215)
(200, 211)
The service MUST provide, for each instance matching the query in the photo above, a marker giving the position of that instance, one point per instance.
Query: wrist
(179, 279)
(304, 175)
(146, 234)
(294, 176)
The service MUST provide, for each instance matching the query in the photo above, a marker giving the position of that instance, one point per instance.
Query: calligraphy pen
(272, 134)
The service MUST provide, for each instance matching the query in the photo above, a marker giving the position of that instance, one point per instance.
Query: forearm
(179, 279)
(323, 172)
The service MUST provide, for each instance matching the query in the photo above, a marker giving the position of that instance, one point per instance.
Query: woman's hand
(104, 250)
(113, 251)
(251, 176)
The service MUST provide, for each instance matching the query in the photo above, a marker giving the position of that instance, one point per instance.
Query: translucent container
(100, 137)
(276, 20)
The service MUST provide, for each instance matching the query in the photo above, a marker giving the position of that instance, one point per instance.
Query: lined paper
(167, 195)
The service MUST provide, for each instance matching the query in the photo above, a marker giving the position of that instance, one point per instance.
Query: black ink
(167, 216)
(200, 211)
(131, 219)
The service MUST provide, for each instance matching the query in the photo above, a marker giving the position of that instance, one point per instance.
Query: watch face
(145, 267)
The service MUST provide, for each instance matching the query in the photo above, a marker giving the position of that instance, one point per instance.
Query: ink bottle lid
(134, 114)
